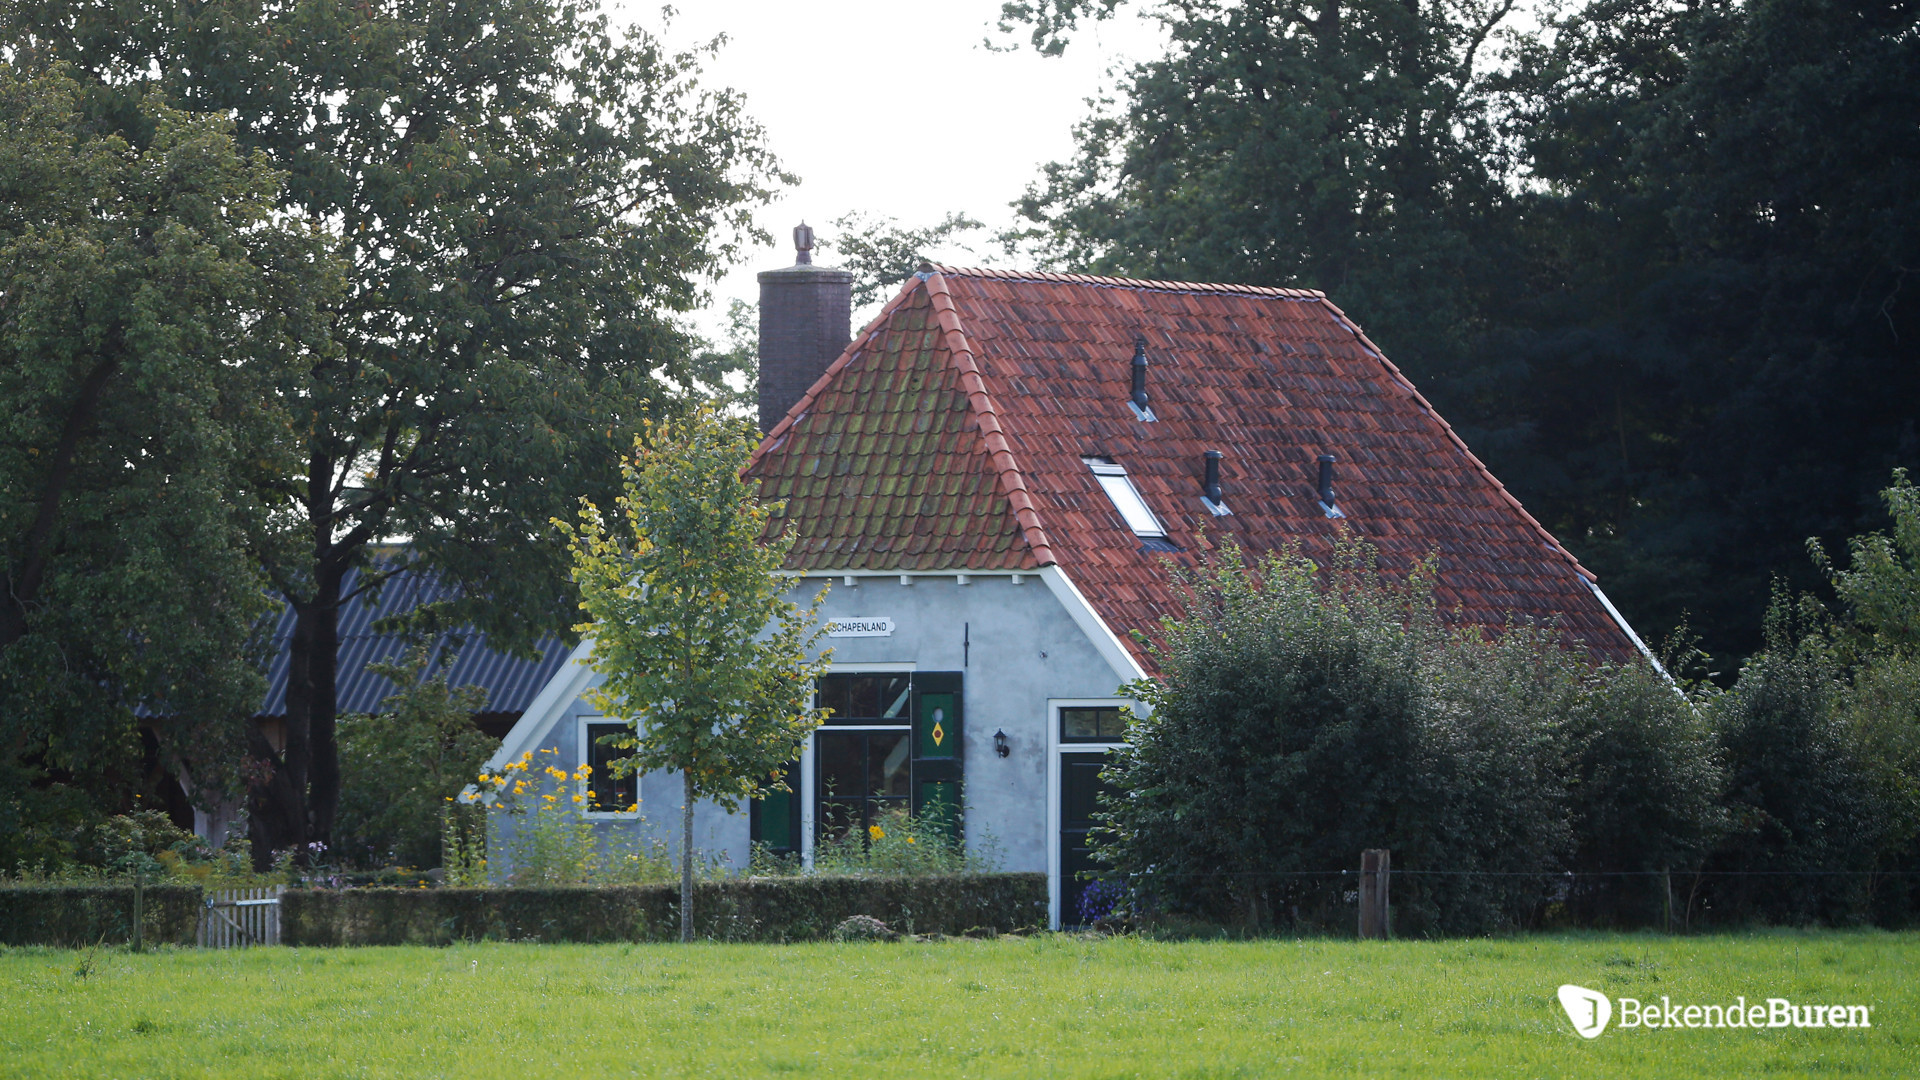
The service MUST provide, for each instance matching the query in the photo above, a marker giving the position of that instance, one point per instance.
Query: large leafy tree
(148, 300)
(1714, 349)
(1338, 144)
(523, 199)
(695, 640)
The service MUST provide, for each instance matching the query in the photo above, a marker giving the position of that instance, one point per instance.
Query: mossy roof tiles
(966, 407)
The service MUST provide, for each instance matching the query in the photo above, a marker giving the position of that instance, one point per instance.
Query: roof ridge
(1007, 471)
(1459, 443)
(853, 349)
(1152, 285)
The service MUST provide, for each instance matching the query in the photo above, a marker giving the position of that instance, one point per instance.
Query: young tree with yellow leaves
(696, 643)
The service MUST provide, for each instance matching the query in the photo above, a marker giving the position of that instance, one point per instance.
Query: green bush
(76, 916)
(1645, 782)
(745, 909)
(400, 768)
(1300, 719)
(1806, 823)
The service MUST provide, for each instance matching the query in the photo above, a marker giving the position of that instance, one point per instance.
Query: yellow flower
(589, 794)
(909, 839)
(586, 770)
(876, 832)
(579, 798)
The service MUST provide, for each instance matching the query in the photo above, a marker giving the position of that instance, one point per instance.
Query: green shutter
(939, 717)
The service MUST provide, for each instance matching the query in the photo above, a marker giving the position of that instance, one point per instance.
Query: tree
(1302, 716)
(523, 201)
(1345, 146)
(1712, 352)
(149, 297)
(401, 767)
(881, 253)
(693, 636)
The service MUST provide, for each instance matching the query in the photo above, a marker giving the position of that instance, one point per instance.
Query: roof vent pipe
(1326, 487)
(1215, 501)
(1138, 398)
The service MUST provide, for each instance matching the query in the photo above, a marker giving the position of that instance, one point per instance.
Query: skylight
(1126, 499)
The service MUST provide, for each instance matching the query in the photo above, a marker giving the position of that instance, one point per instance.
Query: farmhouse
(988, 478)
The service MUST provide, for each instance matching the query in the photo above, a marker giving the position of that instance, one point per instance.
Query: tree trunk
(686, 859)
(299, 805)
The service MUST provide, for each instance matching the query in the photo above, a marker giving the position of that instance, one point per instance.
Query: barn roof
(510, 682)
(955, 433)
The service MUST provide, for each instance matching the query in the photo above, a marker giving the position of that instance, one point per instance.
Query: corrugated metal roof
(510, 683)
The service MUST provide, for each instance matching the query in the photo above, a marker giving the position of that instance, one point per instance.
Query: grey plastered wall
(1025, 649)
(716, 834)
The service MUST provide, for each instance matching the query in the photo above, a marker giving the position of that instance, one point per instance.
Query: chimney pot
(1326, 481)
(1139, 394)
(1212, 482)
(806, 317)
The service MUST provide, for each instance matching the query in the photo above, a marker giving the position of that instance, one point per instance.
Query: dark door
(1080, 787)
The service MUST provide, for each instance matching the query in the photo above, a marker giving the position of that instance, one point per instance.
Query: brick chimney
(806, 315)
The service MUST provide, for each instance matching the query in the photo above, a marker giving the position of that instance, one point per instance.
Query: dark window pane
(863, 697)
(610, 795)
(843, 765)
(832, 696)
(888, 765)
(1091, 723)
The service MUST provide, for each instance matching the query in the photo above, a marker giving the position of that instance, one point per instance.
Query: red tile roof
(950, 436)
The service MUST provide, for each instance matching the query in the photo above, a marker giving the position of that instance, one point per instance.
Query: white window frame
(580, 786)
(1126, 499)
(1055, 749)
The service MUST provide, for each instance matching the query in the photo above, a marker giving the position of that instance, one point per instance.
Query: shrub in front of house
(741, 909)
(1305, 714)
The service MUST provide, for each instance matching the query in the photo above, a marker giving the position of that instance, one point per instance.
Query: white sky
(896, 109)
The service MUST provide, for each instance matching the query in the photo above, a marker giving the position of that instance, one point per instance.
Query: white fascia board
(901, 573)
(1090, 624)
(1621, 621)
(554, 699)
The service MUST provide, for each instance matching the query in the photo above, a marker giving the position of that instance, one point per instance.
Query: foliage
(524, 200)
(549, 842)
(73, 915)
(1298, 720)
(900, 844)
(148, 298)
(1645, 784)
(881, 253)
(693, 638)
(400, 767)
(1881, 586)
(1805, 821)
(730, 909)
(863, 928)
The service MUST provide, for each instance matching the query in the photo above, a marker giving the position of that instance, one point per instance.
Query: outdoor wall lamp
(1000, 744)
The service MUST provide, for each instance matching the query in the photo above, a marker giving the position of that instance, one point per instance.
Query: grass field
(1048, 1006)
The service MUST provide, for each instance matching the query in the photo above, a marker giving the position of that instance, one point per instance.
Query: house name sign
(861, 626)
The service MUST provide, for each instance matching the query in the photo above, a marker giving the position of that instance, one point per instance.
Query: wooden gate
(235, 917)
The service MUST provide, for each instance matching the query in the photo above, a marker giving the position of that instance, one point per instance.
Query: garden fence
(238, 917)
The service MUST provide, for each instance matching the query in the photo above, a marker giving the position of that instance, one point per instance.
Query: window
(891, 744)
(1100, 723)
(865, 700)
(1126, 499)
(611, 795)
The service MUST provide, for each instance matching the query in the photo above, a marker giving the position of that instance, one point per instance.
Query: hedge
(750, 909)
(73, 916)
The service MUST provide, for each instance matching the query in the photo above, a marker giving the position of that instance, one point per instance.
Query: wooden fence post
(139, 914)
(1376, 865)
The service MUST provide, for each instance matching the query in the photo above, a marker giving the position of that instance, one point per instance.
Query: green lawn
(1049, 1006)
